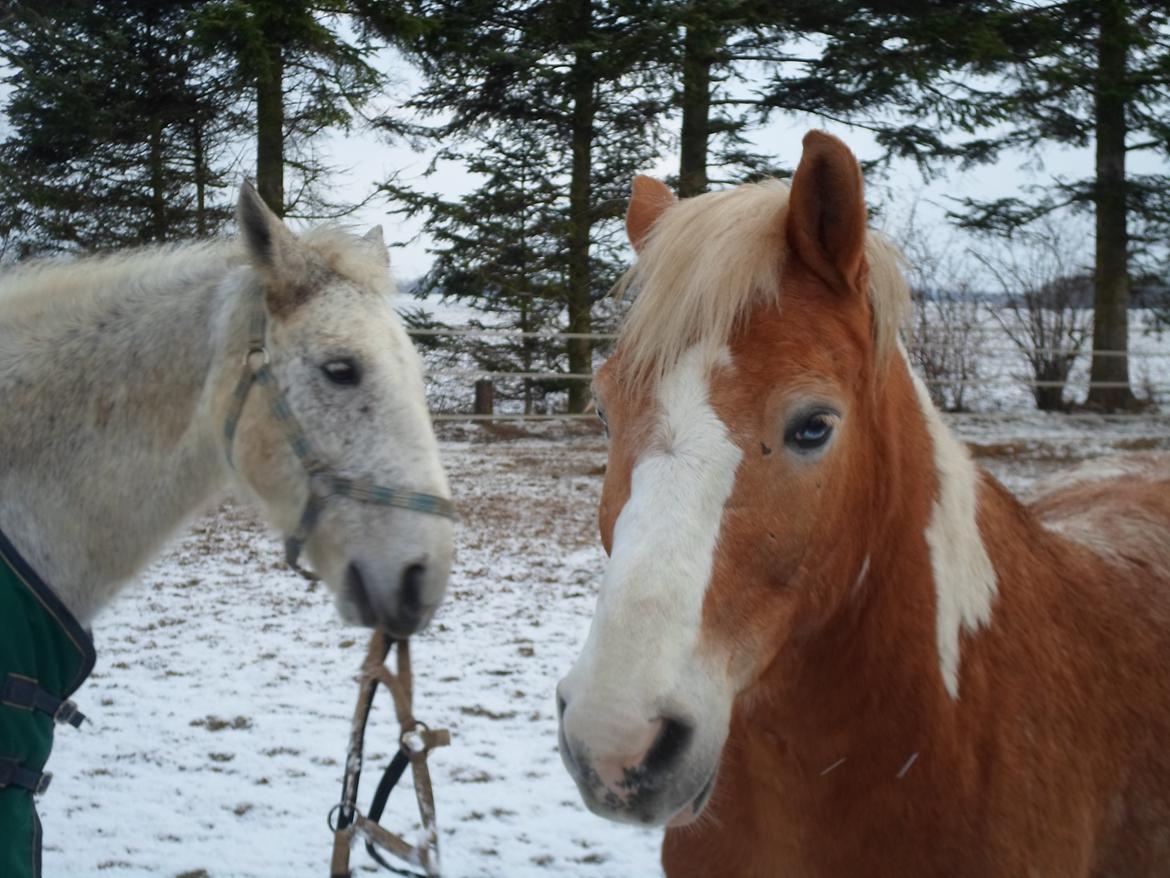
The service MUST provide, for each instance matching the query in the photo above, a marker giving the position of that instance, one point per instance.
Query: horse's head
(352, 381)
(741, 408)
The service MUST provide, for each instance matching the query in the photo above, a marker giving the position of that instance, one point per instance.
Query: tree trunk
(199, 160)
(270, 130)
(1111, 300)
(698, 55)
(525, 352)
(158, 200)
(580, 221)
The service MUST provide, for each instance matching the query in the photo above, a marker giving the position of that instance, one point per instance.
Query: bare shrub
(945, 338)
(1046, 309)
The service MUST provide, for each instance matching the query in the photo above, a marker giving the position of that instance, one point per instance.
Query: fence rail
(490, 332)
(481, 375)
(998, 350)
(1160, 387)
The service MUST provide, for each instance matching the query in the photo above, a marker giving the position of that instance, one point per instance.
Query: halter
(324, 482)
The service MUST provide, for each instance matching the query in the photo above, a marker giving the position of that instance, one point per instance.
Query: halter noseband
(324, 483)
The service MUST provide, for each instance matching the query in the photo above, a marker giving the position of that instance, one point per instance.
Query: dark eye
(810, 431)
(343, 371)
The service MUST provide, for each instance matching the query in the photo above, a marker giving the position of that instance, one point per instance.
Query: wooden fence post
(485, 394)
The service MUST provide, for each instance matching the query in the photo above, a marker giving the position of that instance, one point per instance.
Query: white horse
(119, 375)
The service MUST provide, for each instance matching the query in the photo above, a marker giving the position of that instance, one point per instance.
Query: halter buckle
(414, 740)
(252, 354)
(322, 484)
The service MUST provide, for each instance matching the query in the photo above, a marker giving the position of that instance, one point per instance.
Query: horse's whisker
(834, 766)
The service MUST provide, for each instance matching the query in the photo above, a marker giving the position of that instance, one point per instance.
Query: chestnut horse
(827, 643)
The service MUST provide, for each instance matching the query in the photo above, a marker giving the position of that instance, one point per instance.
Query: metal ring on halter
(337, 814)
(263, 352)
(416, 743)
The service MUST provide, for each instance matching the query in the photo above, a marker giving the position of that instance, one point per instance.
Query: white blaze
(641, 649)
(964, 579)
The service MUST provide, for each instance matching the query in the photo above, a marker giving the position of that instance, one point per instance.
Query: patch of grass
(218, 724)
(490, 714)
(281, 751)
(463, 776)
(1142, 443)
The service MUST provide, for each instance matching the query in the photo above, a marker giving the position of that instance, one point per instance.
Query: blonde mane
(710, 260)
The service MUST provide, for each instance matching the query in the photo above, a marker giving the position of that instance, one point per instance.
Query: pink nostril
(656, 750)
(614, 768)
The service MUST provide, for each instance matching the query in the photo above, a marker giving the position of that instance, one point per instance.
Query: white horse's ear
(378, 241)
(271, 247)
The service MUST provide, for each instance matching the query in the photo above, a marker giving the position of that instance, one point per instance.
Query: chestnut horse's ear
(826, 210)
(648, 199)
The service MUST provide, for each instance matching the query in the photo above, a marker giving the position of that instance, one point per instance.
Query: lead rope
(415, 743)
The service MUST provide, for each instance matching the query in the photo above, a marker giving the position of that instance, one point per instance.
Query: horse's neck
(110, 439)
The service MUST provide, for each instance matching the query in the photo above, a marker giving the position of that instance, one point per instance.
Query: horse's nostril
(355, 585)
(672, 741)
(413, 578)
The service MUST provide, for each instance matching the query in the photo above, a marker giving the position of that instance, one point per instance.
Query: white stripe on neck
(964, 579)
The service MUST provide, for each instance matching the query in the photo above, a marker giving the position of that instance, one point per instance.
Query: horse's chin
(350, 613)
(644, 813)
(690, 812)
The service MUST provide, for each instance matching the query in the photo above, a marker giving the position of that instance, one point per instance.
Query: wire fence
(1154, 382)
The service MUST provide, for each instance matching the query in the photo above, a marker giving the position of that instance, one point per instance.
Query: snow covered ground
(223, 691)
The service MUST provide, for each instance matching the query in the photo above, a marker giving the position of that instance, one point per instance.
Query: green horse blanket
(44, 656)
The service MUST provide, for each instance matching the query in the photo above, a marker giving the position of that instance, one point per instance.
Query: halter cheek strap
(324, 483)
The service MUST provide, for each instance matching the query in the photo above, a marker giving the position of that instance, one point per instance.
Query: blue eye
(810, 431)
(604, 422)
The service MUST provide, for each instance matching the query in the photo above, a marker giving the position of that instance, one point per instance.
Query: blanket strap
(14, 774)
(21, 691)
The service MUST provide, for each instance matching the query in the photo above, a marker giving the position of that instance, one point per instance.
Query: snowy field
(224, 687)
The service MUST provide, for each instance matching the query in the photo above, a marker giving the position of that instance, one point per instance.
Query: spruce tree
(497, 249)
(568, 79)
(1094, 74)
(306, 73)
(119, 127)
(1030, 76)
(738, 63)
